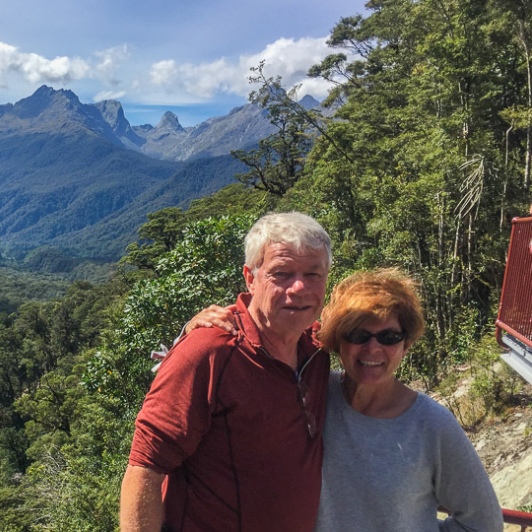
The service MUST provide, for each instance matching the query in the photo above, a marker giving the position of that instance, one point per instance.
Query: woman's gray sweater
(391, 475)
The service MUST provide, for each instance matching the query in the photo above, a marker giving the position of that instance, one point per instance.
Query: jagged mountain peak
(170, 121)
(308, 102)
(48, 110)
(74, 173)
(44, 99)
(113, 113)
(46, 91)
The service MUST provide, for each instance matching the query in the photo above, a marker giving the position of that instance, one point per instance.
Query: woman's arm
(213, 316)
(462, 484)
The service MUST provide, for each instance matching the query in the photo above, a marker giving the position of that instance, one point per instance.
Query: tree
(278, 162)
(418, 92)
(205, 266)
(164, 228)
(514, 18)
(159, 234)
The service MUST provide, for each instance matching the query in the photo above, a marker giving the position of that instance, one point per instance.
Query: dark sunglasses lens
(387, 337)
(390, 337)
(358, 337)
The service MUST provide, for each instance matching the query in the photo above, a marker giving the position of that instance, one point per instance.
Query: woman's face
(372, 362)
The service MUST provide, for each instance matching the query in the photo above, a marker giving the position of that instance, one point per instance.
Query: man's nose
(298, 284)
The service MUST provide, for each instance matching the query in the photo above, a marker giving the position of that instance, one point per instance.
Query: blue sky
(188, 56)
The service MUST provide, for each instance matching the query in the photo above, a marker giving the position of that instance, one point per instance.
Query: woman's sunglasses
(385, 337)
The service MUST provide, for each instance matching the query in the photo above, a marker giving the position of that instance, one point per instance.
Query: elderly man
(229, 436)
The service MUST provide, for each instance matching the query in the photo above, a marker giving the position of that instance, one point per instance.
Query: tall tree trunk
(524, 43)
(506, 176)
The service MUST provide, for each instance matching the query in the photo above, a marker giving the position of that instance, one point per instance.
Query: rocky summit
(79, 177)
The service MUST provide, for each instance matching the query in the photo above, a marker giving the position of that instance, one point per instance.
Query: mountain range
(81, 178)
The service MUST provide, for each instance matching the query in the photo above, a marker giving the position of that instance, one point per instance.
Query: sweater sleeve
(177, 410)
(461, 483)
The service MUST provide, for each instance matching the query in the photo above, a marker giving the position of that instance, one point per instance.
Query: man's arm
(141, 506)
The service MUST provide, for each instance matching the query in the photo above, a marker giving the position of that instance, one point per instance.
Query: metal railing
(514, 517)
(510, 517)
(514, 320)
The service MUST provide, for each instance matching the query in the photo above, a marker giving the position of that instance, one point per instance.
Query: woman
(392, 455)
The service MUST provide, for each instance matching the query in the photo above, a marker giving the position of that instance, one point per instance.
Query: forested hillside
(77, 180)
(423, 166)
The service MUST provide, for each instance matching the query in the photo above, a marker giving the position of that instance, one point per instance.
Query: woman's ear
(408, 344)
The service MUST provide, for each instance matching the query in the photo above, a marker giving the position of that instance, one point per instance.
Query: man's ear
(249, 278)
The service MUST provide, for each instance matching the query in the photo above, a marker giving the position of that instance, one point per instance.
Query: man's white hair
(295, 229)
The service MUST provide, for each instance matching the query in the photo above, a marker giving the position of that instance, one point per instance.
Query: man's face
(288, 289)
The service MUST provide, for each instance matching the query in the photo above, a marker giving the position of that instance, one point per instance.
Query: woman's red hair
(368, 295)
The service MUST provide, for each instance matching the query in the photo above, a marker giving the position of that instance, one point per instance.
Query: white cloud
(116, 71)
(8, 56)
(291, 59)
(163, 72)
(287, 58)
(36, 68)
(199, 82)
(318, 88)
(109, 95)
(109, 63)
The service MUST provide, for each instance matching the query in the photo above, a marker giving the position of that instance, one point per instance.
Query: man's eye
(280, 275)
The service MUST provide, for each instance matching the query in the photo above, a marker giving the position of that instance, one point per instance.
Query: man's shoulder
(200, 346)
(207, 339)
(308, 337)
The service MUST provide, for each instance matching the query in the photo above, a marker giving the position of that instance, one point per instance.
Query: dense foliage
(423, 165)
